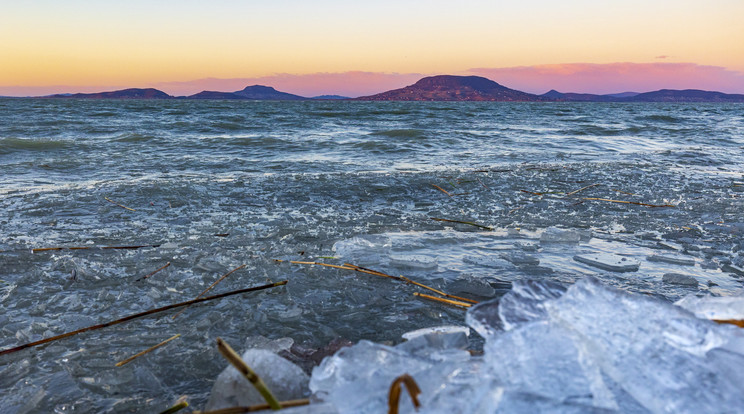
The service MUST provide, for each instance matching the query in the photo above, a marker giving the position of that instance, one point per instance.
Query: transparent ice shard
(414, 261)
(286, 381)
(609, 261)
(678, 260)
(712, 307)
(556, 235)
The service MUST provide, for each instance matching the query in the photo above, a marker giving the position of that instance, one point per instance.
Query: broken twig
(210, 288)
(237, 362)
(139, 315)
(146, 351)
(627, 202)
(120, 205)
(395, 390)
(153, 272)
(447, 301)
(469, 223)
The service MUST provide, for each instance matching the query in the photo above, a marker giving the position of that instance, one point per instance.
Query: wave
(10, 145)
(400, 133)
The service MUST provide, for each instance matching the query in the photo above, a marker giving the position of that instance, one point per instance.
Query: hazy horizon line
(591, 78)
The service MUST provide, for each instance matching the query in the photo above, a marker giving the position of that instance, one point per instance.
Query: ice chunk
(486, 261)
(608, 261)
(468, 285)
(416, 261)
(286, 381)
(357, 379)
(519, 258)
(363, 247)
(711, 307)
(733, 269)
(679, 279)
(542, 358)
(683, 261)
(524, 303)
(556, 235)
(430, 342)
(659, 354)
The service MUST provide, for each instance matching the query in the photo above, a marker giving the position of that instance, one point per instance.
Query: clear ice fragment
(609, 261)
(682, 261)
(556, 235)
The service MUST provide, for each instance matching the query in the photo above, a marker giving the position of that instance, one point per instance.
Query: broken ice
(585, 349)
(609, 261)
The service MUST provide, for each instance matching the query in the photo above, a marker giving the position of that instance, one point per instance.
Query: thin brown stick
(737, 322)
(139, 315)
(153, 272)
(582, 189)
(441, 189)
(371, 272)
(447, 301)
(439, 292)
(236, 361)
(120, 205)
(254, 408)
(320, 264)
(146, 351)
(47, 249)
(210, 288)
(481, 183)
(470, 223)
(180, 405)
(627, 202)
(395, 390)
(532, 192)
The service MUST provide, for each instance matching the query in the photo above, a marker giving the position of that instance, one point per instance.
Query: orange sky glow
(335, 47)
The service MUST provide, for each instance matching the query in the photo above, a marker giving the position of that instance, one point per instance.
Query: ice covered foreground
(585, 349)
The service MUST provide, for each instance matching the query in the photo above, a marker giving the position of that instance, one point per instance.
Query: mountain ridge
(431, 88)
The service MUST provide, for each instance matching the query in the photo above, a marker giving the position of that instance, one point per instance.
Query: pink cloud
(351, 84)
(615, 77)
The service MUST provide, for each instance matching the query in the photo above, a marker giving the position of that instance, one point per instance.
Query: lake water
(219, 184)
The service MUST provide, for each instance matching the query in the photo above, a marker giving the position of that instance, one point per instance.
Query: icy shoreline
(582, 349)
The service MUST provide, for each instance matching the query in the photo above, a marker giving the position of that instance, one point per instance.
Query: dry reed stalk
(371, 272)
(447, 301)
(146, 351)
(139, 315)
(627, 202)
(153, 272)
(254, 408)
(177, 407)
(320, 264)
(441, 189)
(470, 223)
(47, 249)
(120, 205)
(395, 390)
(439, 292)
(532, 192)
(737, 322)
(210, 287)
(582, 189)
(248, 373)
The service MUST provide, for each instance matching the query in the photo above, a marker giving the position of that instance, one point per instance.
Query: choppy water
(315, 180)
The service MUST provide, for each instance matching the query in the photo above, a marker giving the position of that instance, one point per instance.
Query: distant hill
(132, 93)
(687, 95)
(255, 92)
(330, 97)
(454, 88)
(577, 97)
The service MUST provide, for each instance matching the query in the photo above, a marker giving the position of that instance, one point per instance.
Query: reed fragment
(153, 272)
(258, 407)
(210, 288)
(395, 391)
(628, 202)
(443, 300)
(582, 189)
(120, 205)
(139, 315)
(737, 322)
(248, 373)
(442, 189)
(146, 351)
(176, 408)
(469, 223)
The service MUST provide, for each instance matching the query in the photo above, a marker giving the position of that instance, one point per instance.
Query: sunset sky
(355, 48)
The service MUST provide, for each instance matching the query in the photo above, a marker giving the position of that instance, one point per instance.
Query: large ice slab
(609, 261)
(286, 381)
